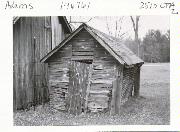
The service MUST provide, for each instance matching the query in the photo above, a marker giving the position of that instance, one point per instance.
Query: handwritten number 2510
(146, 5)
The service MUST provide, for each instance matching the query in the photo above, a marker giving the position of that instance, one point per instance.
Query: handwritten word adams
(14, 5)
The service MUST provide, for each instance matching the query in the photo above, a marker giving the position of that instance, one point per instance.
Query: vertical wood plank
(22, 41)
(75, 88)
(70, 89)
(113, 98)
(116, 90)
(79, 87)
(84, 85)
(137, 83)
(15, 65)
(24, 32)
(88, 87)
(119, 89)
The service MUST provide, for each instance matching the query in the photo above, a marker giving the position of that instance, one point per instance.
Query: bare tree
(135, 22)
(114, 26)
(107, 26)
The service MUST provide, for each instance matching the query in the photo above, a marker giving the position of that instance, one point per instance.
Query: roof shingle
(118, 47)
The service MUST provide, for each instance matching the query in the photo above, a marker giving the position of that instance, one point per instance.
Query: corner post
(137, 83)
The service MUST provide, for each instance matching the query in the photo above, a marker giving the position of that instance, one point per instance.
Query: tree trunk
(137, 78)
(135, 27)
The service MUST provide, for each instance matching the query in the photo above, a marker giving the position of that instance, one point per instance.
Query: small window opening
(85, 61)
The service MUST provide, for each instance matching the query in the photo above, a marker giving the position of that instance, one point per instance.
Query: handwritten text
(164, 5)
(15, 5)
(74, 5)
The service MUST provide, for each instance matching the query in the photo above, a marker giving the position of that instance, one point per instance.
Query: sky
(146, 23)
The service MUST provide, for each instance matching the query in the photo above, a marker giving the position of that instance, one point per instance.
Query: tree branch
(108, 26)
(134, 27)
(89, 19)
(137, 22)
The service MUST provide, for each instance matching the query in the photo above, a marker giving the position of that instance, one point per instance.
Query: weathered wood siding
(103, 75)
(117, 91)
(83, 48)
(31, 41)
(78, 87)
(59, 67)
(128, 84)
(87, 49)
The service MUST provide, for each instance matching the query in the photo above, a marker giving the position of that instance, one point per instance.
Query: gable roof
(62, 19)
(114, 46)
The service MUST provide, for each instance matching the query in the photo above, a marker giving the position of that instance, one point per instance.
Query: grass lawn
(151, 108)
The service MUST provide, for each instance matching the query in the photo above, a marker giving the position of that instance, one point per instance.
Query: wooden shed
(33, 38)
(90, 71)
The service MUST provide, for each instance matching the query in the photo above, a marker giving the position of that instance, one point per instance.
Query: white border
(99, 8)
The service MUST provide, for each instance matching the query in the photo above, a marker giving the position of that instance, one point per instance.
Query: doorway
(79, 86)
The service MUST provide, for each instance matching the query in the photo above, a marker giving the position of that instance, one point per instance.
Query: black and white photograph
(91, 70)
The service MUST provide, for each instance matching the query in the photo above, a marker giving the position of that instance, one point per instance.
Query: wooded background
(154, 47)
